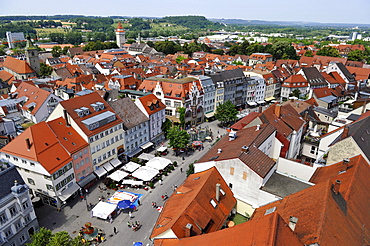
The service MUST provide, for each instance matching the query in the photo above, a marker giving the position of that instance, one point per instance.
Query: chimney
(28, 142)
(245, 149)
(188, 229)
(218, 192)
(306, 115)
(277, 110)
(257, 128)
(345, 132)
(219, 151)
(336, 186)
(293, 222)
(66, 117)
(345, 163)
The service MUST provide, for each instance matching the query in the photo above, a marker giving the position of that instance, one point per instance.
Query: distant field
(167, 26)
(42, 31)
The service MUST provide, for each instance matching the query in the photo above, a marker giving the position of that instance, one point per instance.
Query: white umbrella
(131, 166)
(146, 156)
(118, 175)
(103, 210)
(145, 173)
(158, 163)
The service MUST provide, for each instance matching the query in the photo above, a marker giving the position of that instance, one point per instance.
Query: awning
(115, 162)
(107, 166)
(100, 172)
(147, 145)
(86, 180)
(131, 182)
(269, 98)
(252, 103)
(135, 152)
(209, 115)
(145, 173)
(158, 163)
(162, 148)
(261, 102)
(72, 188)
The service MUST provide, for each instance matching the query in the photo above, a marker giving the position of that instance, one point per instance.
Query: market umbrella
(197, 143)
(145, 173)
(124, 204)
(137, 244)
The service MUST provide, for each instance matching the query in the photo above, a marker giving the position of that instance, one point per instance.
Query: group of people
(134, 225)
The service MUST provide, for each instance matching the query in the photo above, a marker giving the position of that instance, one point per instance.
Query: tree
(56, 51)
(65, 50)
(218, 52)
(356, 55)
(308, 53)
(45, 237)
(295, 93)
(166, 126)
(283, 50)
(328, 51)
(45, 70)
(179, 139)
(182, 116)
(190, 169)
(179, 59)
(74, 37)
(57, 37)
(226, 112)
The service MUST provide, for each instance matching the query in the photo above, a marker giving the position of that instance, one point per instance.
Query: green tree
(41, 238)
(283, 50)
(226, 112)
(295, 93)
(178, 138)
(328, 51)
(45, 70)
(179, 59)
(56, 51)
(45, 237)
(57, 37)
(181, 111)
(65, 50)
(308, 53)
(356, 55)
(166, 126)
(190, 169)
(218, 52)
(74, 38)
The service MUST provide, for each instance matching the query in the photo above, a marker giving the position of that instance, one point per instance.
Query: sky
(324, 11)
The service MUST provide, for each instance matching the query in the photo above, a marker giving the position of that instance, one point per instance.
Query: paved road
(75, 214)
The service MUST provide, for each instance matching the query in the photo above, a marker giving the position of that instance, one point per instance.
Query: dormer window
(95, 107)
(101, 105)
(85, 110)
(79, 112)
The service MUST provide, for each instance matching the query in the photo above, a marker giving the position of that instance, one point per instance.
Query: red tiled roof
(18, 66)
(45, 147)
(269, 230)
(243, 122)
(326, 217)
(191, 204)
(151, 100)
(5, 76)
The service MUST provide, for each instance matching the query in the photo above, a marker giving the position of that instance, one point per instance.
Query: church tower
(120, 35)
(32, 55)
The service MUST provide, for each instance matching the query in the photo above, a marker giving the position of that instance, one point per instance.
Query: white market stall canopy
(158, 163)
(145, 173)
(132, 182)
(146, 157)
(103, 209)
(162, 148)
(115, 162)
(131, 166)
(118, 175)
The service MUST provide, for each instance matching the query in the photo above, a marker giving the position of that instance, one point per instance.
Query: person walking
(128, 224)
(130, 214)
(181, 169)
(115, 230)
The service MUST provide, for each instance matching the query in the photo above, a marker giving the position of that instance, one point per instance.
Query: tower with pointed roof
(32, 55)
(120, 35)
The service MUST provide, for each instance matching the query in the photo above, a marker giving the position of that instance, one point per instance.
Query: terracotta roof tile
(18, 66)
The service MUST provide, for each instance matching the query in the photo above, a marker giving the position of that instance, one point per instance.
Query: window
(31, 181)
(77, 165)
(168, 112)
(47, 177)
(87, 160)
(3, 218)
(91, 140)
(24, 162)
(82, 162)
(22, 238)
(49, 187)
(13, 211)
(245, 175)
(230, 185)
(25, 205)
(18, 225)
(232, 170)
(8, 232)
(15, 158)
(113, 151)
(313, 148)
(75, 157)
(167, 102)
(27, 219)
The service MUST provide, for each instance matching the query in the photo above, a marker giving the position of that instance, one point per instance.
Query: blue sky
(324, 11)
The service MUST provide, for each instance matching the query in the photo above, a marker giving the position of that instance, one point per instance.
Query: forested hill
(193, 22)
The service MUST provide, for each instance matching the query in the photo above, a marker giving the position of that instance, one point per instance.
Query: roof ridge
(324, 208)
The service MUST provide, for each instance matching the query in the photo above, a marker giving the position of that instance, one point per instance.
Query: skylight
(213, 203)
